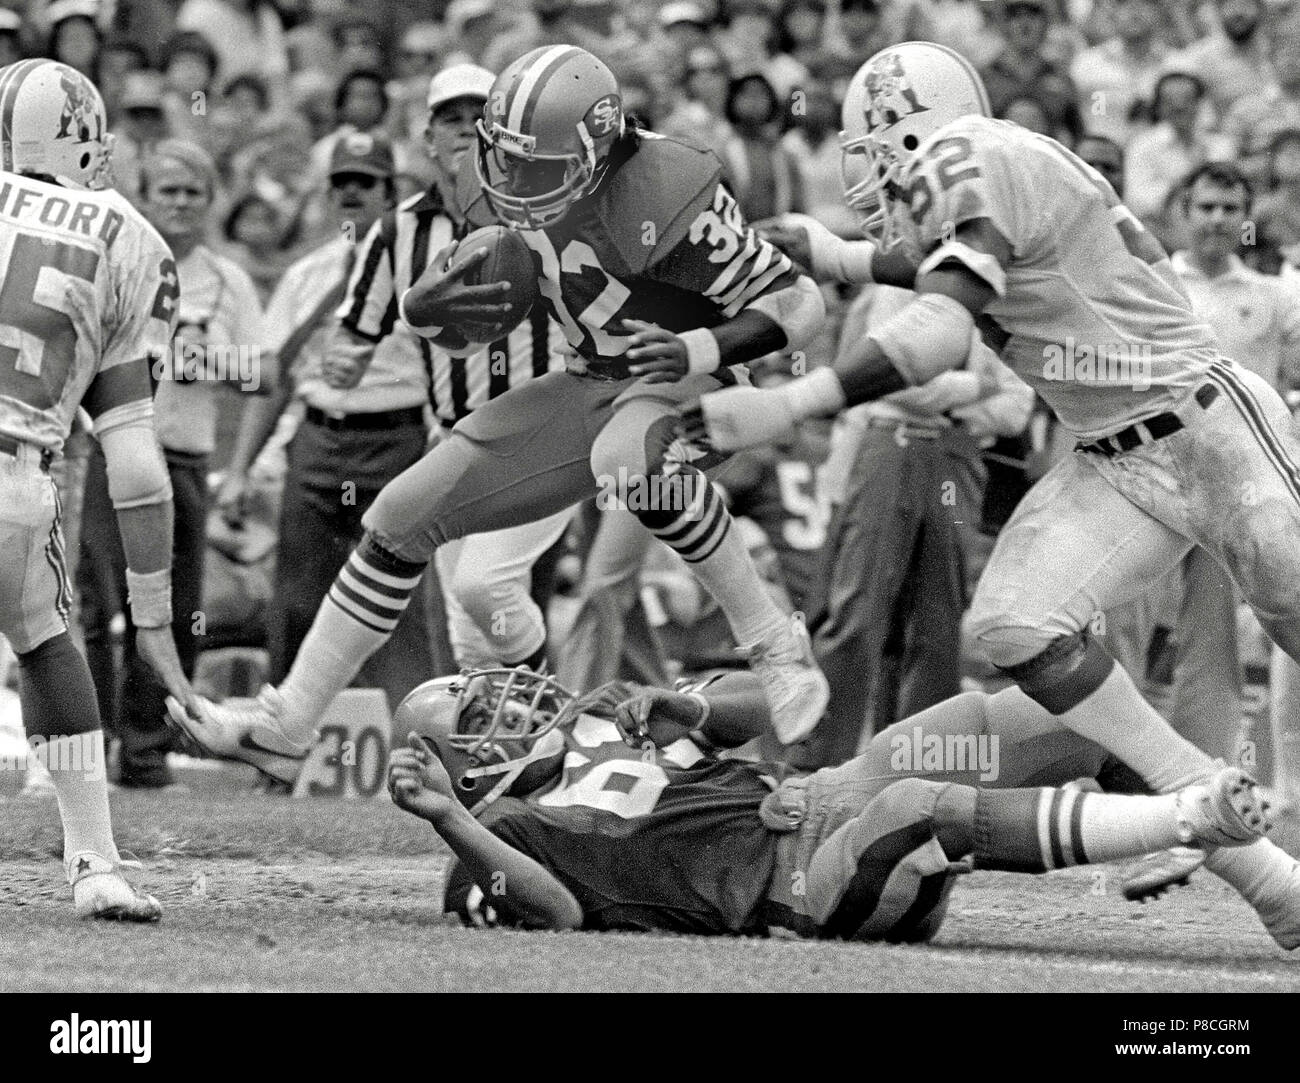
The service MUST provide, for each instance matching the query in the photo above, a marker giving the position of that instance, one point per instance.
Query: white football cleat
(99, 890)
(244, 729)
(796, 689)
(1224, 810)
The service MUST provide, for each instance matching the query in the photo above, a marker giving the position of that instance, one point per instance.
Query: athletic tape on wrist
(150, 598)
(702, 351)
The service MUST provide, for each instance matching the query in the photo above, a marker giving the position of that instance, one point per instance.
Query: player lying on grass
(612, 812)
(1177, 446)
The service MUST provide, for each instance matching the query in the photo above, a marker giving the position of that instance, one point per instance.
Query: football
(509, 260)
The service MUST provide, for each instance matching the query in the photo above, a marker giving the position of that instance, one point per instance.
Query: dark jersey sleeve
(721, 258)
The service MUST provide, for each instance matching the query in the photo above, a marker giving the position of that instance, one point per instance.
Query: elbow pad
(137, 472)
(932, 334)
(798, 310)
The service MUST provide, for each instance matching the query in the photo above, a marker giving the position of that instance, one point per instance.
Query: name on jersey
(58, 212)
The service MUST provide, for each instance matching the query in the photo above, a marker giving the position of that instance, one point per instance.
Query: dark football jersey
(662, 240)
(668, 839)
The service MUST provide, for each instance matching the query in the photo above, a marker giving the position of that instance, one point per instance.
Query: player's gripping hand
(441, 298)
(790, 237)
(658, 716)
(418, 782)
(739, 417)
(158, 648)
(655, 354)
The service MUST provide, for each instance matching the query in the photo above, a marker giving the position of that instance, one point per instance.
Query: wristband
(150, 598)
(852, 262)
(818, 394)
(702, 351)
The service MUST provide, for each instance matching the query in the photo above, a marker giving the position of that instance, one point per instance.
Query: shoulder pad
(650, 200)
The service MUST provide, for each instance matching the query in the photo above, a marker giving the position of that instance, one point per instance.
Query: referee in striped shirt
(486, 579)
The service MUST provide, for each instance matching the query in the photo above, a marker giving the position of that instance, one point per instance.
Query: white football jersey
(87, 299)
(1088, 306)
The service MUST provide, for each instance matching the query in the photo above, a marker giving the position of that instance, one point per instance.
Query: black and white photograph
(650, 496)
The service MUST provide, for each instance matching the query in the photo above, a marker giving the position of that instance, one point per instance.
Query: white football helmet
(53, 123)
(895, 101)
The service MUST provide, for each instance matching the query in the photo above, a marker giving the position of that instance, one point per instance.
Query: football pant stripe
(857, 901)
(1249, 408)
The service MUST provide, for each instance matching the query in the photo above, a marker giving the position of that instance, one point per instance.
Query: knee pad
(849, 873)
(1065, 674)
(914, 900)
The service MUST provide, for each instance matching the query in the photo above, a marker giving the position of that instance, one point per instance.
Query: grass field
(264, 893)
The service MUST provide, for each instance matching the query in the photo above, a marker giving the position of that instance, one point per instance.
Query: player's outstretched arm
(140, 488)
(419, 784)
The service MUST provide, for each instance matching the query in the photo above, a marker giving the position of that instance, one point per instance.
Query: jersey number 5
(38, 340)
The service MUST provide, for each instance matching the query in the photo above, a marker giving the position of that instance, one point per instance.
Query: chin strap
(549, 745)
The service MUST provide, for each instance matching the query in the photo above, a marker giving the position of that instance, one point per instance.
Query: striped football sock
(357, 617)
(1043, 829)
(703, 536)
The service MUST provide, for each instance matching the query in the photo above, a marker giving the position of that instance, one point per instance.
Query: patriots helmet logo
(890, 94)
(79, 118)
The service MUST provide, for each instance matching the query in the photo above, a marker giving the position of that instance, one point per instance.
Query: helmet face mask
(895, 101)
(528, 191)
(489, 726)
(548, 127)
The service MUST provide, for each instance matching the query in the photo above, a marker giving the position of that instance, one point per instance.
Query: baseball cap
(142, 90)
(681, 11)
(360, 152)
(459, 81)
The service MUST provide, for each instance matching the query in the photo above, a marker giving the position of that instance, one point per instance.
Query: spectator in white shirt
(1159, 159)
(1116, 79)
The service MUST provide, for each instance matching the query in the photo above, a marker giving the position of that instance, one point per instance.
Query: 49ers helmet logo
(890, 95)
(605, 115)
